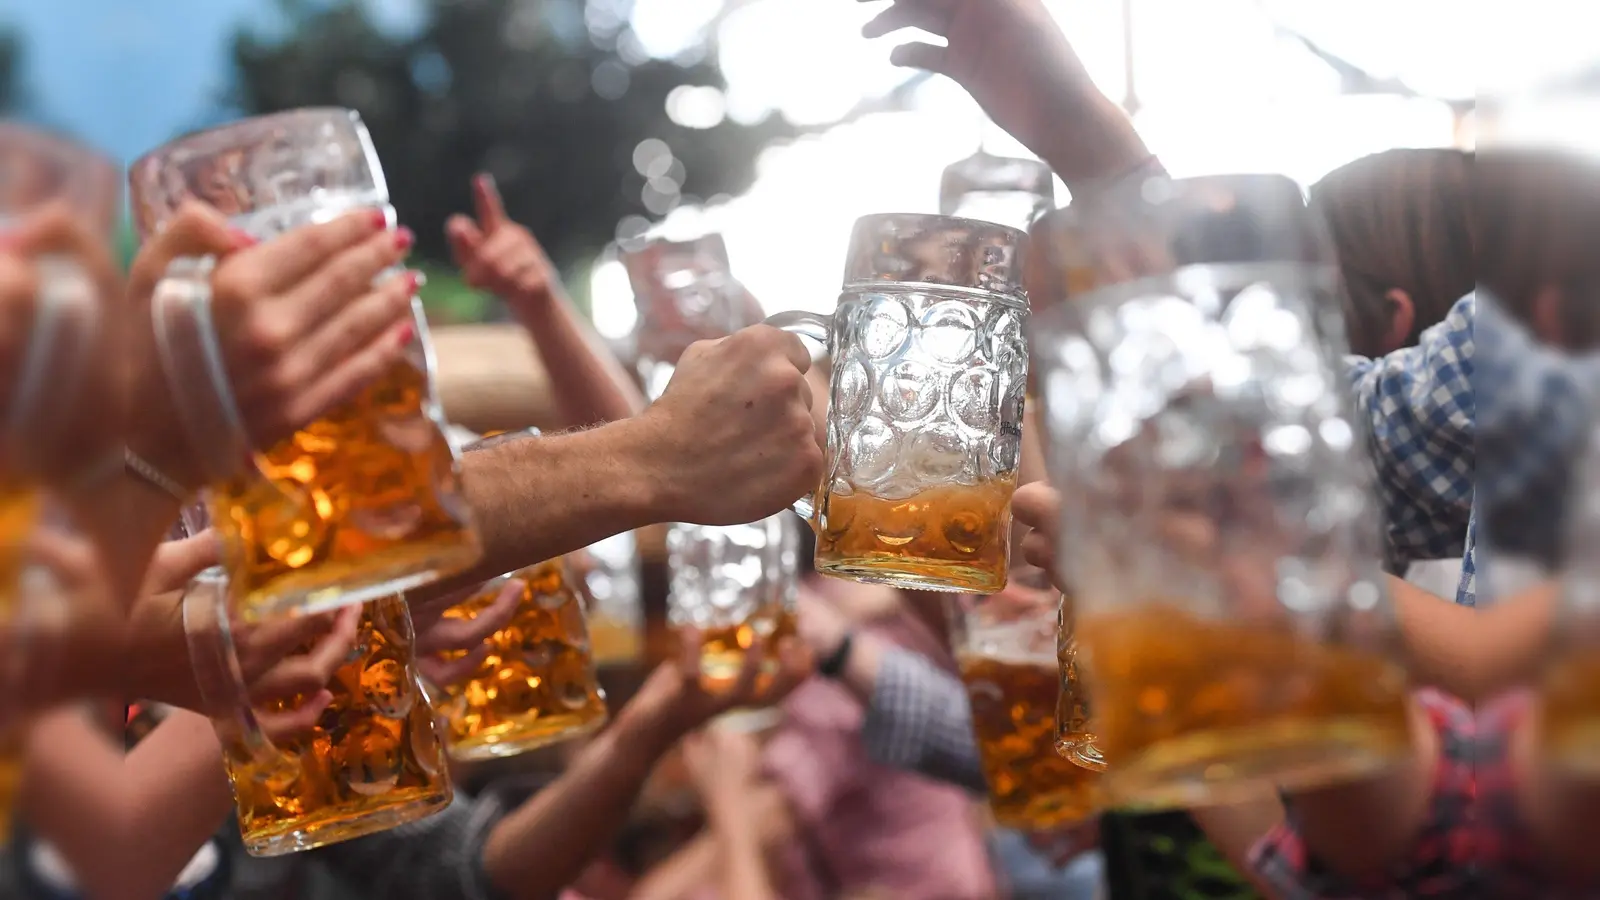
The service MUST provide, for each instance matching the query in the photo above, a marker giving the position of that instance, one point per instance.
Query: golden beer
(19, 514)
(1031, 787)
(1570, 712)
(537, 686)
(615, 641)
(722, 649)
(953, 538)
(350, 507)
(1193, 711)
(12, 752)
(374, 760)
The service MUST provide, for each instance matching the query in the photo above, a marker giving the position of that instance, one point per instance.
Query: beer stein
(538, 685)
(684, 291)
(610, 575)
(365, 502)
(1005, 648)
(997, 189)
(734, 583)
(42, 389)
(374, 760)
(1230, 620)
(925, 404)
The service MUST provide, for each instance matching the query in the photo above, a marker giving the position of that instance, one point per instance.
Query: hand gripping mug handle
(217, 673)
(818, 329)
(191, 360)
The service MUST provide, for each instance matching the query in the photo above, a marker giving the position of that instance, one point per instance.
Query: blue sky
(127, 75)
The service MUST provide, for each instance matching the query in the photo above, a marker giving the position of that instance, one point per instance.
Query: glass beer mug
(925, 404)
(374, 760)
(1005, 648)
(41, 391)
(734, 583)
(684, 291)
(538, 685)
(999, 189)
(1230, 619)
(365, 502)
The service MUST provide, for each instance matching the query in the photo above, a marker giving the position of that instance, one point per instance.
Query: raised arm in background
(501, 257)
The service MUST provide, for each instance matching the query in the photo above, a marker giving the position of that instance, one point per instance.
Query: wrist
(1091, 141)
(641, 447)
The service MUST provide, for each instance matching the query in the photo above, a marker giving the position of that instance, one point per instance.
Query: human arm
(737, 412)
(726, 766)
(1014, 60)
(548, 841)
(502, 257)
(127, 825)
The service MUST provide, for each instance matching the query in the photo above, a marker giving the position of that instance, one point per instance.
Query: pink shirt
(862, 825)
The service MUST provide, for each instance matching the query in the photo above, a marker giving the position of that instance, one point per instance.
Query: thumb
(918, 55)
(1037, 505)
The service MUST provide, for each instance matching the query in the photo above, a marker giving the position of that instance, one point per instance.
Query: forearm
(129, 825)
(744, 865)
(537, 498)
(589, 385)
(127, 520)
(1474, 654)
(1362, 829)
(1092, 141)
(178, 797)
(544, 845)
(683, 873)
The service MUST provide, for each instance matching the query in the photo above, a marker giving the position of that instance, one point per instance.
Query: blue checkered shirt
(1415, 407)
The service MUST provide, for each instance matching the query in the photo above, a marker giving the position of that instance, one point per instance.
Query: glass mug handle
(218, 677)
(64, 318)
(819, 329)
(191, 360)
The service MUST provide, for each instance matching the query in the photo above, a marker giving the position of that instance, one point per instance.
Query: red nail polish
(242, 238)
(413, 283)
(408, 331)
(403, 239)
(379, 220)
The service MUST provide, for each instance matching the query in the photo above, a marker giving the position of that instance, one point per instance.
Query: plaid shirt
(1474, 842)
(1449, 855)
(1417, 410)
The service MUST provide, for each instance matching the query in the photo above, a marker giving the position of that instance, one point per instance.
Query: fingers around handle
(215, 658)
(819, 330)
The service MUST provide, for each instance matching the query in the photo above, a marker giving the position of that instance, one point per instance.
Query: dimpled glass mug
(1228, 617)
(926, 400)
(366, 501)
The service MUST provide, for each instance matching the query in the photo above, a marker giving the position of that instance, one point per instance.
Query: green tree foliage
(12, 98)
(551, 96)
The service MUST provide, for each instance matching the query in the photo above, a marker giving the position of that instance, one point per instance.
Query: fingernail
(379, 220)
(413, 282)
(242, 238)
(408, 332)
(403, 239)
